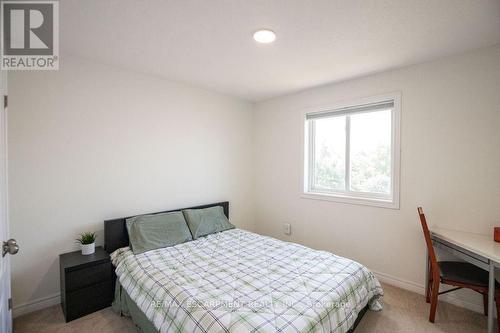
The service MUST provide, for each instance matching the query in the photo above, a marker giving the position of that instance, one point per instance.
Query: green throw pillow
(150, 232)
(206, 221)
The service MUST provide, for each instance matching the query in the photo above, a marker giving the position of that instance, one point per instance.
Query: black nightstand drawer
(87, 300)
(87, 276)
(86, 282)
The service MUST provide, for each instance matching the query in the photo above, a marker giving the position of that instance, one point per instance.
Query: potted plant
(87, 241)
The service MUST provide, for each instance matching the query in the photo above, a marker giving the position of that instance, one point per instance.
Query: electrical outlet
(287, 228)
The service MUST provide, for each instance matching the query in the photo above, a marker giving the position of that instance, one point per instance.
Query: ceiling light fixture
(264, 36)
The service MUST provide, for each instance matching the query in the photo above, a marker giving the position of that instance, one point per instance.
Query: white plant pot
(88, 249)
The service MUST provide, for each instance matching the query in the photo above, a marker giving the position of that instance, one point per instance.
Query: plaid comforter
(238, 281)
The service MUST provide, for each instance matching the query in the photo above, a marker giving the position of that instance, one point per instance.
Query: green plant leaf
(86, 238)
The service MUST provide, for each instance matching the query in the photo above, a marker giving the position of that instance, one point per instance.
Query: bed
(238, 281)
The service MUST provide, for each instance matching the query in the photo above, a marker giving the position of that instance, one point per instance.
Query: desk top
(481, 244)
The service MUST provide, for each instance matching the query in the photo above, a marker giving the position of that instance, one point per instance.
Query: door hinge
(10, 303)
(5, 101)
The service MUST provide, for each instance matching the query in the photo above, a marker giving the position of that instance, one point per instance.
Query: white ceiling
(209, 42)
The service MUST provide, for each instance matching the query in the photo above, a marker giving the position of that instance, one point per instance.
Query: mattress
(238, 281)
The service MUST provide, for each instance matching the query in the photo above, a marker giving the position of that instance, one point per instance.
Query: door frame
(5, 281)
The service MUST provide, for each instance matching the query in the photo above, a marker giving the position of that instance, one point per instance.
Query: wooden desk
(479, 250)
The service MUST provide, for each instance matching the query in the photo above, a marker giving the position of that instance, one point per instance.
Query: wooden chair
(457, 274)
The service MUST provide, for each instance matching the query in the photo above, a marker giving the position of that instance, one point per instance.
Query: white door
(10, 246)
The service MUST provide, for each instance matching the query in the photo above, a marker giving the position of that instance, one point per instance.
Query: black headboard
(115, 230)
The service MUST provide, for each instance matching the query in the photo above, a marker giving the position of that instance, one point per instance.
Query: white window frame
(350, 197)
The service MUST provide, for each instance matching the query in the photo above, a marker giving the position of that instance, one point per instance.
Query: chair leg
(429, 283)
(485, 304)
(497, 303)
(434, 299)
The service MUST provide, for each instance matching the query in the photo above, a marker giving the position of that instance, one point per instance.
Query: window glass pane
(370, 142)
(329, 154)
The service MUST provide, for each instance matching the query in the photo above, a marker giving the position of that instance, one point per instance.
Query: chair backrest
(428, 241)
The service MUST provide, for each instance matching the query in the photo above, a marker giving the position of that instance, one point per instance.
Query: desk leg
(491, 297)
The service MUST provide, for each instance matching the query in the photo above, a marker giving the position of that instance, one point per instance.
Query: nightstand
(86, 282)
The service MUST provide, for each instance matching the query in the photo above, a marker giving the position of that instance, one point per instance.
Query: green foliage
(370, 171)
(329, 169)
(86, 238)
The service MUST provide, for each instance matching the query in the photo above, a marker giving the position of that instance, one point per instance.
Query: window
(352, 153)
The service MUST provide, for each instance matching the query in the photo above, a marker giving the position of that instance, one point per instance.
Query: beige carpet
(404, 311)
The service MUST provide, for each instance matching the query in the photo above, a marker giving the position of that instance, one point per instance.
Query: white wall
(450, 164)
(91, 142)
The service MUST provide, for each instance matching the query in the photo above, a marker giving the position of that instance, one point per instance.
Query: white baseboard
(420, 289)
(38, 304)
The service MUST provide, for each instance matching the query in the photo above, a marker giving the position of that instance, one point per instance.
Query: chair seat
(465, 273)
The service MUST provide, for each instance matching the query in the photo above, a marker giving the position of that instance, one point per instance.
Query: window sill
(351, 200)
